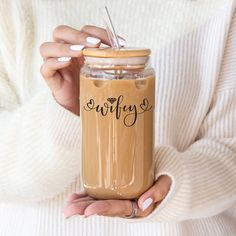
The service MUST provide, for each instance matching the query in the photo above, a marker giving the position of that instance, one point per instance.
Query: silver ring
(134, 209)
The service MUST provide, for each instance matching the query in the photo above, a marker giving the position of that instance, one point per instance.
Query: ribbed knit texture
(194, 54)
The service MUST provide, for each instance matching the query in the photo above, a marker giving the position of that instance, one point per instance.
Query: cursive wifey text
(117, 106)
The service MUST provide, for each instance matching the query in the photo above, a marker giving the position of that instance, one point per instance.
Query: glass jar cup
(117, 100)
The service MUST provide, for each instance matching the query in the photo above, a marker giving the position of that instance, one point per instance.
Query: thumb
(156, 193)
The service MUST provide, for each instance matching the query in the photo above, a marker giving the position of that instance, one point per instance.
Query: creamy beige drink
(117, 135)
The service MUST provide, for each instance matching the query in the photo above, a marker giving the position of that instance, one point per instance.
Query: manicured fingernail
(122, 41)
(76, 47)
(64, 59)
(147, 203)
(93, 40)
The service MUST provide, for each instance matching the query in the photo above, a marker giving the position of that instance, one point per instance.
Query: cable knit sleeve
(39, 139)
(204, 175)
(39, 149)
(39, 146)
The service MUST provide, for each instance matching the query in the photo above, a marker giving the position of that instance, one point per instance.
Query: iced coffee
(117, 101)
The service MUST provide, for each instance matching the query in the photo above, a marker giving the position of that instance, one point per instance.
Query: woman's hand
(83, 204)
(63, 60)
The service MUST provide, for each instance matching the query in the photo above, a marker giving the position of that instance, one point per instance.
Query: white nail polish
(122, 42)
(93, 40)
(147, 203)
(76, 47)
(64, 59)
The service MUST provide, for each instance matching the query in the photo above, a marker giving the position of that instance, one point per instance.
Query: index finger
(97, 32)
(102, 34)
(64, 33)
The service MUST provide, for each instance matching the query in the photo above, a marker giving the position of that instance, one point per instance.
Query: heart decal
(145, 105)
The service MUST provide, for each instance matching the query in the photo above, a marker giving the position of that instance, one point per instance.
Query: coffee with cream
(117, 114)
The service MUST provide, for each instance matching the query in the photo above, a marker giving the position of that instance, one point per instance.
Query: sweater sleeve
(204, 175)
(40, 153)
(39, 139)
(39, 146)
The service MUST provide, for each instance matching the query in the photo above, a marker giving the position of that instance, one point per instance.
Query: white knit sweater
(193, 46)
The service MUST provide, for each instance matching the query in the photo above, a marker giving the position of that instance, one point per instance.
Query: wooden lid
(108, 52)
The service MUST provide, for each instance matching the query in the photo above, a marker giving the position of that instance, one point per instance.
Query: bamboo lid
(124, 52)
